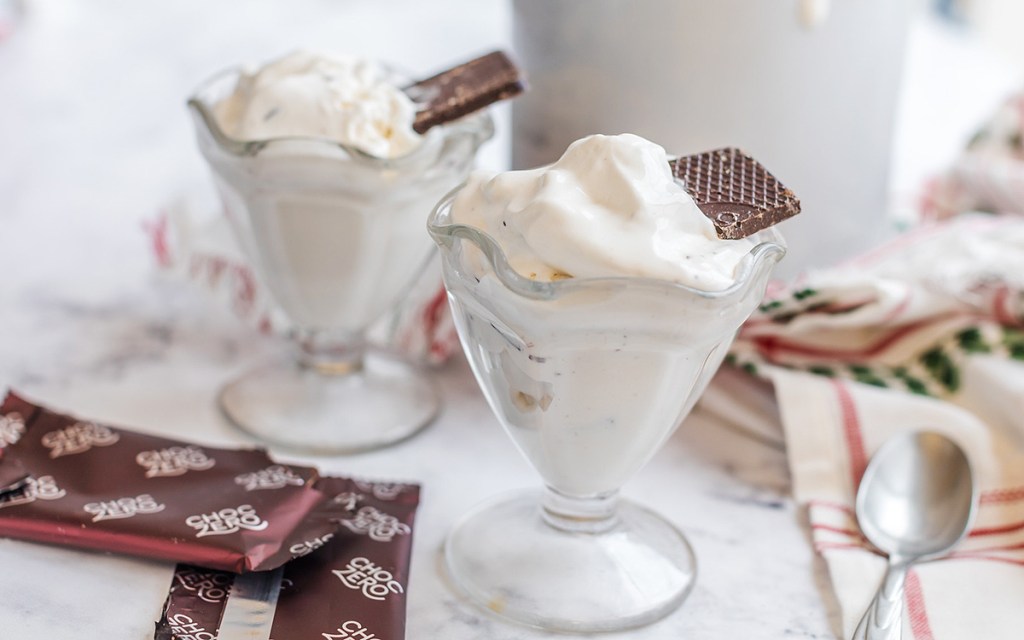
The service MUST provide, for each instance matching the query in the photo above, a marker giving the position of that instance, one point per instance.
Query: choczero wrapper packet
(93, 486)
(12, 472)
(195, 604)
(350, 585)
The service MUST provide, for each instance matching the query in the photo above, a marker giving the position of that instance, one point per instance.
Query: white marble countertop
(95, 139)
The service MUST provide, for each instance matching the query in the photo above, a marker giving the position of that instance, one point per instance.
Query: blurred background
(995, 22)
(93, 124)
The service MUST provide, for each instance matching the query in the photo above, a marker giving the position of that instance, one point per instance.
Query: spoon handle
(883, 619)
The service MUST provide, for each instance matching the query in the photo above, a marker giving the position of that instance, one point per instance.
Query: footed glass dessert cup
(336, 235)
(589, 377)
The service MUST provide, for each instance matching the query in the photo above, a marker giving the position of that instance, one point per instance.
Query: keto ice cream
(590, 376)
(347, 99)
(608, 207)
(335, 235)
(327, 187)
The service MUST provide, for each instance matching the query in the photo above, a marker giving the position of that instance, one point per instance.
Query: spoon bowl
(915, 500)
(916, 496)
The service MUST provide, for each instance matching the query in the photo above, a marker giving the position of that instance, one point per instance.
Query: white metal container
(809, 87)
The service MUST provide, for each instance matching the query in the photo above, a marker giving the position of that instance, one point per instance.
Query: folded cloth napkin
(191, 242)
(925, 332)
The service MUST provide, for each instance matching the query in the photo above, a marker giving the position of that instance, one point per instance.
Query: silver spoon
(916, 499)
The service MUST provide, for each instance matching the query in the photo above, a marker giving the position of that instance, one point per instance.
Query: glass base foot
(505, 558)
(295, 407)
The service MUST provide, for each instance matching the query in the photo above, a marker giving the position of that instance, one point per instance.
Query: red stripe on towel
(833, 505)
(1017, 546)
(822, 547)
(972, 555)
(1001, 308)
(994, 531)
(919, 624)
(158, 233)
(1015, 494)
(841, 530)
(771, 346)
(852, 432)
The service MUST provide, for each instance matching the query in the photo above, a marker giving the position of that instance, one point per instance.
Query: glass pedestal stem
(331, 353)
(331, 395)
(594, 514)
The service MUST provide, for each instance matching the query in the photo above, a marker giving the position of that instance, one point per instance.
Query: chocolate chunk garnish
(736, 191)
(464, 89)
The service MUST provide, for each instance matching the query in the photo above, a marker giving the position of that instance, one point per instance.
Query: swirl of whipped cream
(608, 207)
(342, 98)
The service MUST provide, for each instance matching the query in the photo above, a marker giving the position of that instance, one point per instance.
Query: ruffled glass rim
(769, 249)
(478, 124)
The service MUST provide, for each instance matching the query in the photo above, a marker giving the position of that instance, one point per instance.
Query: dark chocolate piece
(92, 486)
(464, 89)
(736, 191)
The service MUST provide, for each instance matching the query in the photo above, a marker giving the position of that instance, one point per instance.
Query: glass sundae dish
(326, 186)
(593, 308)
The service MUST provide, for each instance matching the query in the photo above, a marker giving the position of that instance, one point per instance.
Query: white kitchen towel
(925, 332)
(190, 241)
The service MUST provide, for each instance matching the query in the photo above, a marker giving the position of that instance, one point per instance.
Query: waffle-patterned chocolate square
(737, 192)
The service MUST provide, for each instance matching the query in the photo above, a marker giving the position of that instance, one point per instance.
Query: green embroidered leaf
(870, 378)
(972, 341)
(804, 293)
(750, 368)
(914, 385)
(822, 371)
(771, 306)
(784, 317)
(866, 375)
(942, 368)
(1013, 340)
(1017, 351)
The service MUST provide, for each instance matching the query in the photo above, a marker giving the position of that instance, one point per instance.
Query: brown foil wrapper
(78, 483)
(348, 585)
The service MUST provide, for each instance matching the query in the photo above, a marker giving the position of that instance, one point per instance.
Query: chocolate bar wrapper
(79, 483)
(348, 585)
